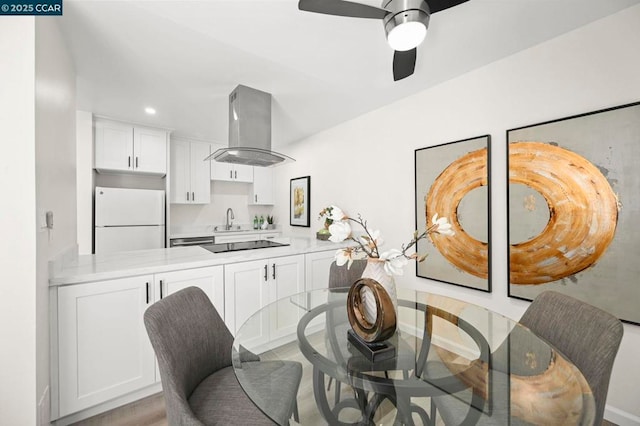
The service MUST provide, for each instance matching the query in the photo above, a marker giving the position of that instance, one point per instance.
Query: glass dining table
(449, 359)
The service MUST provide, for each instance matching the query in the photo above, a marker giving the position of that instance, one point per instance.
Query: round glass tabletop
(466, 363)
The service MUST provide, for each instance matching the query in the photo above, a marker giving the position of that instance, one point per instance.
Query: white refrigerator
(128, 219)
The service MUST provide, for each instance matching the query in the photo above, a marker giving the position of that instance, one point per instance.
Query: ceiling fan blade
(342, 8)
(403, 64)
(440, 5)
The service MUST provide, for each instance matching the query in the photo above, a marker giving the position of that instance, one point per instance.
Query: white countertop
(209, 230)
(89, 268)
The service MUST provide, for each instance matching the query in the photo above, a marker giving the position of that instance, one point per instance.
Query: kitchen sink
(243, 245)
(234, 229)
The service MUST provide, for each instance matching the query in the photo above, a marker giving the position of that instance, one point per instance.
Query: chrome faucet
(229, 223)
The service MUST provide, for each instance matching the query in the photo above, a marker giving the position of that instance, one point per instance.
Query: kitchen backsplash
(223, 195)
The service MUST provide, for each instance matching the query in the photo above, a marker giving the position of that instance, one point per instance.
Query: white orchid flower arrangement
(368, 244)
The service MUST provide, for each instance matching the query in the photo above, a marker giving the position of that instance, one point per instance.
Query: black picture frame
(453, 180)
(300, 201)
(593, 158)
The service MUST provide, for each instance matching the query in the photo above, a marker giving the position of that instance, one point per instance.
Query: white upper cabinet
(122, 147)
(262, 186)
(200, 172)
(113, 146)
(190, 183)
(231, 172)
(150, 150)
(243, 173)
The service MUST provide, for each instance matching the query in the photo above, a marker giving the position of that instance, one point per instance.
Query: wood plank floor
(145, 412)
(151, 412)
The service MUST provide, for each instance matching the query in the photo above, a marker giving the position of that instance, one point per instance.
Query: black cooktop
(244, 245)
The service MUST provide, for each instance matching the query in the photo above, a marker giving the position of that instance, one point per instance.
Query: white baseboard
(44, 410)
(109, 405)
(619, 417)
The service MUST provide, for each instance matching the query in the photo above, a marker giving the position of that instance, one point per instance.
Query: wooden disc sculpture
(583, 212)
(385, 322)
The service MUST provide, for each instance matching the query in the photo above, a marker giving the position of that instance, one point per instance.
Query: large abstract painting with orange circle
(452, 180)
(573, 209)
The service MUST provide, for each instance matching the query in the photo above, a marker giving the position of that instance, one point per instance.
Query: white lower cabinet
(104, 351)
(103, 348)
(245, 292)
(317, 266)
(249, 286)
(287, 279)
(100, 348)
(210, 280)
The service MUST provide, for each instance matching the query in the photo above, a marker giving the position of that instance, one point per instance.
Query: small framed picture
(299, 200)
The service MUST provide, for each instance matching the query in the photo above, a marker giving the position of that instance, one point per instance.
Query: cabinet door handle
(187, 195)
(147, 293)
(256, 198)
(161, 289)
(274, 271)
(129, 161)
(230, 174)
(266, 277)
(136, 162)
(193, 196)
(236, 174)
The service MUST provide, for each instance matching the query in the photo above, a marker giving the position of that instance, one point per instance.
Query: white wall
(55, 133)
(17, 222)
(37, 174)
(368, 162)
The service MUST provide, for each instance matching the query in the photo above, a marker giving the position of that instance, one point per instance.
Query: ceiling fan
(405, 23)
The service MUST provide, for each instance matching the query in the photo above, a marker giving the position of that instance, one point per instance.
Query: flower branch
(368, 245)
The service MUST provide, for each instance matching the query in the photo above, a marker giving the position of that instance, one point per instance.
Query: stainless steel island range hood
(249, 130)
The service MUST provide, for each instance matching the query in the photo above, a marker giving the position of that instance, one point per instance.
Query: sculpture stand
(373, 352)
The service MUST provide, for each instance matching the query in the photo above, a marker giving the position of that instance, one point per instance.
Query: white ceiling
(185, 57)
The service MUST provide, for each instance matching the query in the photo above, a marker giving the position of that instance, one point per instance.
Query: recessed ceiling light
(150, 111)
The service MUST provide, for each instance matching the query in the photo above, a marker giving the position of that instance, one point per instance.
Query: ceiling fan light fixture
(406, 27)
(406, 36)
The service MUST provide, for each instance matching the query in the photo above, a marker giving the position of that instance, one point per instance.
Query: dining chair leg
(296, 415)
(434, 411)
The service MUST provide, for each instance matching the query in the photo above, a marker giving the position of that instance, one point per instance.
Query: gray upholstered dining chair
(193, 347)
(589, 337)
(343, 277)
